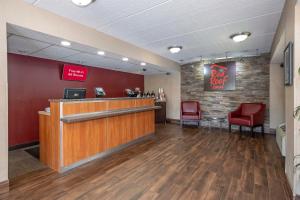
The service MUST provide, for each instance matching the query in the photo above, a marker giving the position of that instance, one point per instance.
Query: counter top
(98, 99)
(44, 113)
(104, 114)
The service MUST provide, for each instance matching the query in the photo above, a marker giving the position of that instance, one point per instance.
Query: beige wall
(3, 103)
(286, 32)
(171, 86)
(297, 96)
(19, 13)
(297, 75)
(277, 96)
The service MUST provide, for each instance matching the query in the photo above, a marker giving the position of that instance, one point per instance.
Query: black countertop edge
(97, 99)
(104, 114)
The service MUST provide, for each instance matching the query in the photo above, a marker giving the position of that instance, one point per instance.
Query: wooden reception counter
(77, 131)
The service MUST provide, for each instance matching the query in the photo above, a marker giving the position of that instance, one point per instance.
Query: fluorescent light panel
(65, 43)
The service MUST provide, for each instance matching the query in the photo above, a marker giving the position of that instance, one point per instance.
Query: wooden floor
(186, 163)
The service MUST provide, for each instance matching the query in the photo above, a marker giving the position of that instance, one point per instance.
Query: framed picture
(288, 64)
(219, 76)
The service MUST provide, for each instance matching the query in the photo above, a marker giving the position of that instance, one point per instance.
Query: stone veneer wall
(252, 85)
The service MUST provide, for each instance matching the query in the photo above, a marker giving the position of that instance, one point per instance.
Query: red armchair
(190, 111)
(248, 114)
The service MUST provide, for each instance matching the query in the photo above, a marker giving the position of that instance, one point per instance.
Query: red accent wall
(32, 81)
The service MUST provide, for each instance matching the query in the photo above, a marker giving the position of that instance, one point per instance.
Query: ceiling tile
(201, 26)
(24, 44)
(17, 44)
(30, 1)
(55, 52)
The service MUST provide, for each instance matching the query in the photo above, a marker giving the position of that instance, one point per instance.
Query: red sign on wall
(74, 73)
(220, 76)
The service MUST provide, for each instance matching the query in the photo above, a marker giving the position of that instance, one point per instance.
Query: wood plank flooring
(188, 163)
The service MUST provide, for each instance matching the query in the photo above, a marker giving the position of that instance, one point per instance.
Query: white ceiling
(27, 42)
(202, 27)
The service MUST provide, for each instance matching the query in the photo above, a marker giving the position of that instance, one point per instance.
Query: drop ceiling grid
(219, 35)
(217, 46)
(266, 17)
(104, 11)
(29, 46)
(106, 63)
(261, 43)
(162, 22)
(246, 22)
(198, 25)
(162, 18)
(77, 53)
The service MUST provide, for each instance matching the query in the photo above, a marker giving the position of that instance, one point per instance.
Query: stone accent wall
(252, 85)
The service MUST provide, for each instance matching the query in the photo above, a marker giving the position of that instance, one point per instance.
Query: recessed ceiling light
(221, 58)
(239, 37)
(175, 49)
(101, 53)
(82, 3)
(65, 43)
(125, 59)
(143, 64)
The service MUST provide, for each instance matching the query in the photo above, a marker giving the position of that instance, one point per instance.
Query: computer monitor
(74, 93)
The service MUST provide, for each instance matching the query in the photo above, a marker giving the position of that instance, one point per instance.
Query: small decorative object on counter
(47, 109)
(130, 93)
(138, 92)
(161, 94)
(148, 94)
(99, 91)
(153, 94)
(133, 92)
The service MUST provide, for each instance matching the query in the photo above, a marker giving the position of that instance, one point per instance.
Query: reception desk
(78, 131)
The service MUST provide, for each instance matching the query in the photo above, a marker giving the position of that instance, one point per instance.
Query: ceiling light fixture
(223, 58)
(220, 58)
(101, 53)
(239, 37)
(65, 43)
(125, 59)
(143, 64)
(175, 49)
(82, 3)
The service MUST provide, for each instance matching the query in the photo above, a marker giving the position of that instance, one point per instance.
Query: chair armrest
(258, 117)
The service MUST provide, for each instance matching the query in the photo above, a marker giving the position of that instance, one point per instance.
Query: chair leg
(241, 129)
(263, 130)
(252, 132)
(229, 128)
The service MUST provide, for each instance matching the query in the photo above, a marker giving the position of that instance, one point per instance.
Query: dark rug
(35, 152)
